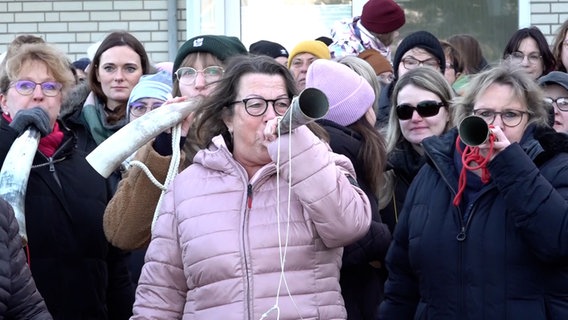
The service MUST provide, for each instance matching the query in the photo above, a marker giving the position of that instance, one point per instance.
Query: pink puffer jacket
(215, 251)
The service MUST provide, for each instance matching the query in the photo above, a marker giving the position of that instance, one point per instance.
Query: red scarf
(48, 144)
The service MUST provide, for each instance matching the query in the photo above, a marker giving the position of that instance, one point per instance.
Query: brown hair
(116, 39)
(472, 56)
(557, 47)
(455, 56)
(190, 60)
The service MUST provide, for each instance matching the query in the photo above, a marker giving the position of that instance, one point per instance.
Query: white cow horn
(118, 147)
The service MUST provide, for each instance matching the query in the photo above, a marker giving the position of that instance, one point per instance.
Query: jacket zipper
(248, 286)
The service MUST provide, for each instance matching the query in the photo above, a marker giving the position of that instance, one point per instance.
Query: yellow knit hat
(315, 47)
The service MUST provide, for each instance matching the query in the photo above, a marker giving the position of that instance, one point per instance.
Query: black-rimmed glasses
(561, 102)
(427, 108)
(256, 107)
(509, 117)
(413, 63)
(27, 87)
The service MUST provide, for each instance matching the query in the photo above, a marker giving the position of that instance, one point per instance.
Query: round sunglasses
(427, 108)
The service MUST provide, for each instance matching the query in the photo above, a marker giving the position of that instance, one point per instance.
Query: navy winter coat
(503, 254)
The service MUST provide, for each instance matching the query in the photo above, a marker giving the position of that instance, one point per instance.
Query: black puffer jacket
(361, 283)
(19, 298)
(405, 163)
(79, 274)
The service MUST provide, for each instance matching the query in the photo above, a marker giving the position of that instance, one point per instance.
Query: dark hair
(211, 112)
(116, 39)
(557, 47)
(372, 156)
(455, 56)
(548, 60)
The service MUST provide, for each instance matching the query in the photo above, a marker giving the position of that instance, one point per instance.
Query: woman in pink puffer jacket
(240, 237)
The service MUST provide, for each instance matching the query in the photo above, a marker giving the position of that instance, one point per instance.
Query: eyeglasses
(412, 63)
(27, 87)
(561, 102)
(427, 108)
(385, 77)
(518, 57)
(256, 107)
(138, 109)
(510, 118)
(187, 75)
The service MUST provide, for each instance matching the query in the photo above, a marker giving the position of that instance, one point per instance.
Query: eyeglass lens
(187, 75)
(518, 57)
(140, 108)
(510, 118)
(258, 106)
(428, 108)
(561, 102)
(27, 87)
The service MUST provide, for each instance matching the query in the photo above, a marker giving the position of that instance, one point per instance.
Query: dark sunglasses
(425, 109)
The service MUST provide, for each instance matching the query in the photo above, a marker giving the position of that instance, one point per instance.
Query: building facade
(163, 25)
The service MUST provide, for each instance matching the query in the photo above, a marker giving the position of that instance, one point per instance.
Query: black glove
(35, 116)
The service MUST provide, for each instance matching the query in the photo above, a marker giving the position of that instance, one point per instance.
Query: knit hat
(420, 39)
(349, 94)
(382, 16)
(315, 47)
(220, 46)
(158, 86)
(82, 63)
(268, 48)
(379, 63)
(554, 77)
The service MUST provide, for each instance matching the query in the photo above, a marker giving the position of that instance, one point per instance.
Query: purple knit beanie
(349, 94)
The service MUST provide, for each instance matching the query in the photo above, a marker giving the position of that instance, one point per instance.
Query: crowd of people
(380, 209)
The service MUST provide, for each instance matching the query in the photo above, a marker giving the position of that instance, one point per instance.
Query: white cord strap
(172, 169)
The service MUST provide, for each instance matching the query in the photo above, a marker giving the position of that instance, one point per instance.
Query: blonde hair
(55, 61)
(425, 78)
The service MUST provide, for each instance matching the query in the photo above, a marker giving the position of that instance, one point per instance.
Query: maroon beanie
(382, 16)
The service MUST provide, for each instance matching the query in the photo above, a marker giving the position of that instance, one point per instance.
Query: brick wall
(548, 15)
(74, 25)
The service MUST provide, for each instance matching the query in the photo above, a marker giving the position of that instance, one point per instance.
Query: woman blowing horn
(254, 227)
(80, 275)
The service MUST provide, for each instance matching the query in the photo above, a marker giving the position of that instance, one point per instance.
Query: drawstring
(471, 154)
